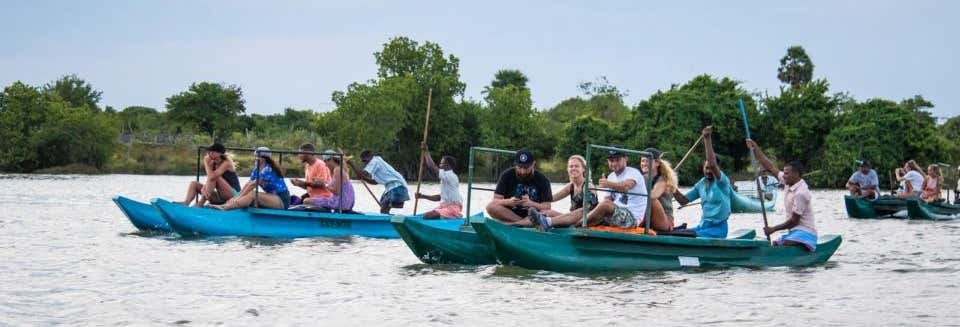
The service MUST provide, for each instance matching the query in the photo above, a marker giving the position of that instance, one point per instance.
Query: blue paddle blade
(743, 114)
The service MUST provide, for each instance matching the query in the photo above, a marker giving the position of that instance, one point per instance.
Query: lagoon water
(69, 256)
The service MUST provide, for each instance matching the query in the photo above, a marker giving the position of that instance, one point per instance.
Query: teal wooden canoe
(884, 207)
(273, 223)
(434, 244)
(740, 203)
(936, 211)
(577, 250)
(144, 216)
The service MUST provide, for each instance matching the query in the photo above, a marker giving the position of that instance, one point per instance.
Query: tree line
(61, 122)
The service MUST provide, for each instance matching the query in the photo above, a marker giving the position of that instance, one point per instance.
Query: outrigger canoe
(274, 223)
(433, 243)
(144, 216)
(740, 203)
(579, 250)
(932, 211)
(884, 207)
(439, 244)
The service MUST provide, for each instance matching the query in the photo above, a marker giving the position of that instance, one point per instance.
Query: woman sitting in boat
(931, 185)
(270, 176)
(914, 180)
(664, 184)
(341, 178)
(222, 183)
(576, 174)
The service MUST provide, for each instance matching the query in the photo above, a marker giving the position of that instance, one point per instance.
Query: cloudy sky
(296, 53)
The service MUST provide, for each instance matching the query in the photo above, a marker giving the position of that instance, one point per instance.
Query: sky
(296, 53)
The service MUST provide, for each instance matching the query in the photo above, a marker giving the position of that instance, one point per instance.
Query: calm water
(70, 257)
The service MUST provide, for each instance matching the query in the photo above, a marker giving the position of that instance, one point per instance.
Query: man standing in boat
(378, 171)
(864, 183)
(519, 189)
(624, 206)
(796, 203)
(714, 191)
(316, 174)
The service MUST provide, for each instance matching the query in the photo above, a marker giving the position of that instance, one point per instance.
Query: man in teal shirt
(714, 190)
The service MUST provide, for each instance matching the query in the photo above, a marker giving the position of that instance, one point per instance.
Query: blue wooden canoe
(273, 223)
(578, 250)
(143, 215)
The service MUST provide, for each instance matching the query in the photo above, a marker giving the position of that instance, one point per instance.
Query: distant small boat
(743, 203)
(580, 250)
(144, 216)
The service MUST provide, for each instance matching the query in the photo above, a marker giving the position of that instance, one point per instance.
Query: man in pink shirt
(317, 175)
(796, 202)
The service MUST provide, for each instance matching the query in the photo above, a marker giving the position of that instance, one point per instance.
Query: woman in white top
(914, 178)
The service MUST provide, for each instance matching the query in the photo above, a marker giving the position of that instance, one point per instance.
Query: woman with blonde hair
(576, 172)
(664, 185)
(931, 184)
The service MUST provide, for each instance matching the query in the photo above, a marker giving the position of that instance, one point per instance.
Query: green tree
(135, 119)
(799, 120)
(585, 130)
(370, 116)
(671, 121)
(75, 91)
(22, 109)
(603, 101)
(796, 68)
(211, 107)
(508, 77)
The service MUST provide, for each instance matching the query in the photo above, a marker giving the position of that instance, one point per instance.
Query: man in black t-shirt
(519, 189)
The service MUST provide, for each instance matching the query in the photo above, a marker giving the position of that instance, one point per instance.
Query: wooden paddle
(753, 160)
(350, 163)
(426, 130)
(677, 167)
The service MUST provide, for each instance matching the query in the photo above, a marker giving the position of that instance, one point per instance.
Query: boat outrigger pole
(753, 160)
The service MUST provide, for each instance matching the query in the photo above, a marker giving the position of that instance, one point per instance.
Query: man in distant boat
(378, 171)
(520, 189)
(451, 203)
(316, 174)
(714, 190)
(624, 207)
(796, 202)
(864, 182)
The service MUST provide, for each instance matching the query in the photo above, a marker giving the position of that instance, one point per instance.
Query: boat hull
(272, 223)
(880, 208)
(926, 211)
(435, 243)
(576, 250)
(144, 216)
(740, 203)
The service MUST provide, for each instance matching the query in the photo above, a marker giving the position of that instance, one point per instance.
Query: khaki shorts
(621, 217)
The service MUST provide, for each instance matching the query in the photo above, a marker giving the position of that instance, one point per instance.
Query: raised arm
(708, 146)
(764, 161)
(427, 160)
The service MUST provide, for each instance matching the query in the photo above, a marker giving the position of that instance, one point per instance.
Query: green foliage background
(61, 124)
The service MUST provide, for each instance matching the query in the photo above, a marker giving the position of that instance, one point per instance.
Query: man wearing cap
(518, 190)
(713, 190)
(864, 182)
(624, 206)
(378, 171)
(316, 174)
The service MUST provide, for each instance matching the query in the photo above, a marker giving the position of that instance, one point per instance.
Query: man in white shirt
(451, 203)
(624, 206)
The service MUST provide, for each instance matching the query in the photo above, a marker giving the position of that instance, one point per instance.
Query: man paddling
(714, 191)
(519, 189)
(451, 203)
(378, 171)
(864, 183)
(796, 203)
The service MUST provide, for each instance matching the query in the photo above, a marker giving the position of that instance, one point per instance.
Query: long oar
(753, 160)
(677, 167)
(426, 130)
(350, 163)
